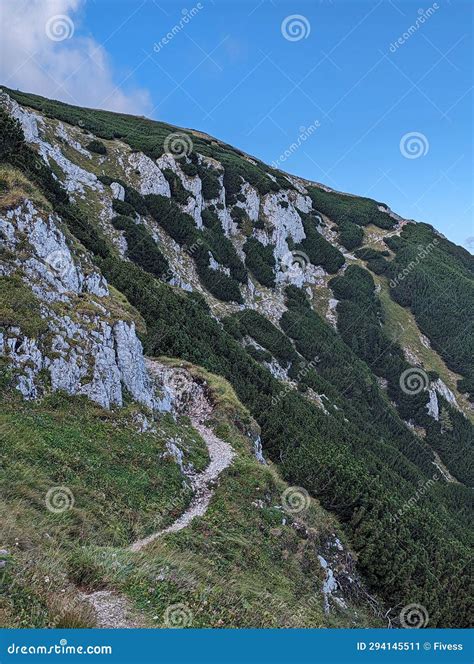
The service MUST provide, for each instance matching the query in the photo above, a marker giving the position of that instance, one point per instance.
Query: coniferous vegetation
(132, 198)
(358, 456)
(96, 146)
(364, 470)
(141, 247)
(250, 322)
(376, 260)
(221, 246)
(434, 278)
(350, 235)
(209, 181)
(178, 191)
(123, 208)
(199, 245)
(359, 323)
(319, 250)
(343, 208)
(260, 261)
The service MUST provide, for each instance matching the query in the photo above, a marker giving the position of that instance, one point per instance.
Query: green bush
(260, 260)
(342, 208)
(176, 223)
(210, 182)
(434, 278)
(232, 183)
(141, 247)
(178, 192)
(318, 249)
(189, 168)
(11, 136)
(224, 252)
(123, 208)
(96, 146)
(258, 327)
(350, 235)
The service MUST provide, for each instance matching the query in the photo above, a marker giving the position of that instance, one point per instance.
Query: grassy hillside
(239, 565)
(357, 456)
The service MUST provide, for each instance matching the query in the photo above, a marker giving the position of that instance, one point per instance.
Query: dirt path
(114, 610)
(221, 455)
(191, 398)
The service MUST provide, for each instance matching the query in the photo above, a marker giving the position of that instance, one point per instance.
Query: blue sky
(230, 71)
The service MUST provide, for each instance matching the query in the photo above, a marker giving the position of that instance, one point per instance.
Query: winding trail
(221, 455)
(111, 609)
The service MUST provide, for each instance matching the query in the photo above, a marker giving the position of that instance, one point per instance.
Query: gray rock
(118, 191)
(131, 364)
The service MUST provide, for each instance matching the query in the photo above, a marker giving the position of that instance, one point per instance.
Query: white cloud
(63, 65)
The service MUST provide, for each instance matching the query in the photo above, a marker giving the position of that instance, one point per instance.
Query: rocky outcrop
(50, 268)
(151, 179)
(131, 365)
(66, 136)
(75, 177)
(438, 387)
(25, 357)
(432, 406)
(118, 191)
(445, 392)
(83, 351)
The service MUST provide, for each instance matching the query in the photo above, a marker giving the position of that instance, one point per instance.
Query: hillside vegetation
(389, 462)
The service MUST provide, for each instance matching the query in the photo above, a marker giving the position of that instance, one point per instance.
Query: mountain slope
(112, 224)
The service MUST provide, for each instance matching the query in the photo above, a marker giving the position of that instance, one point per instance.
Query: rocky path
(113, 610)
(221, 455)
(189, 398)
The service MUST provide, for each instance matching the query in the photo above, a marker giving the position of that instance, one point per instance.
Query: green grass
(238, 566)
(125, 485)
(20, 307)
(15, 187)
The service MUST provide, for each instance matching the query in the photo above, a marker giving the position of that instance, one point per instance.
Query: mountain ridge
(252, 278)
